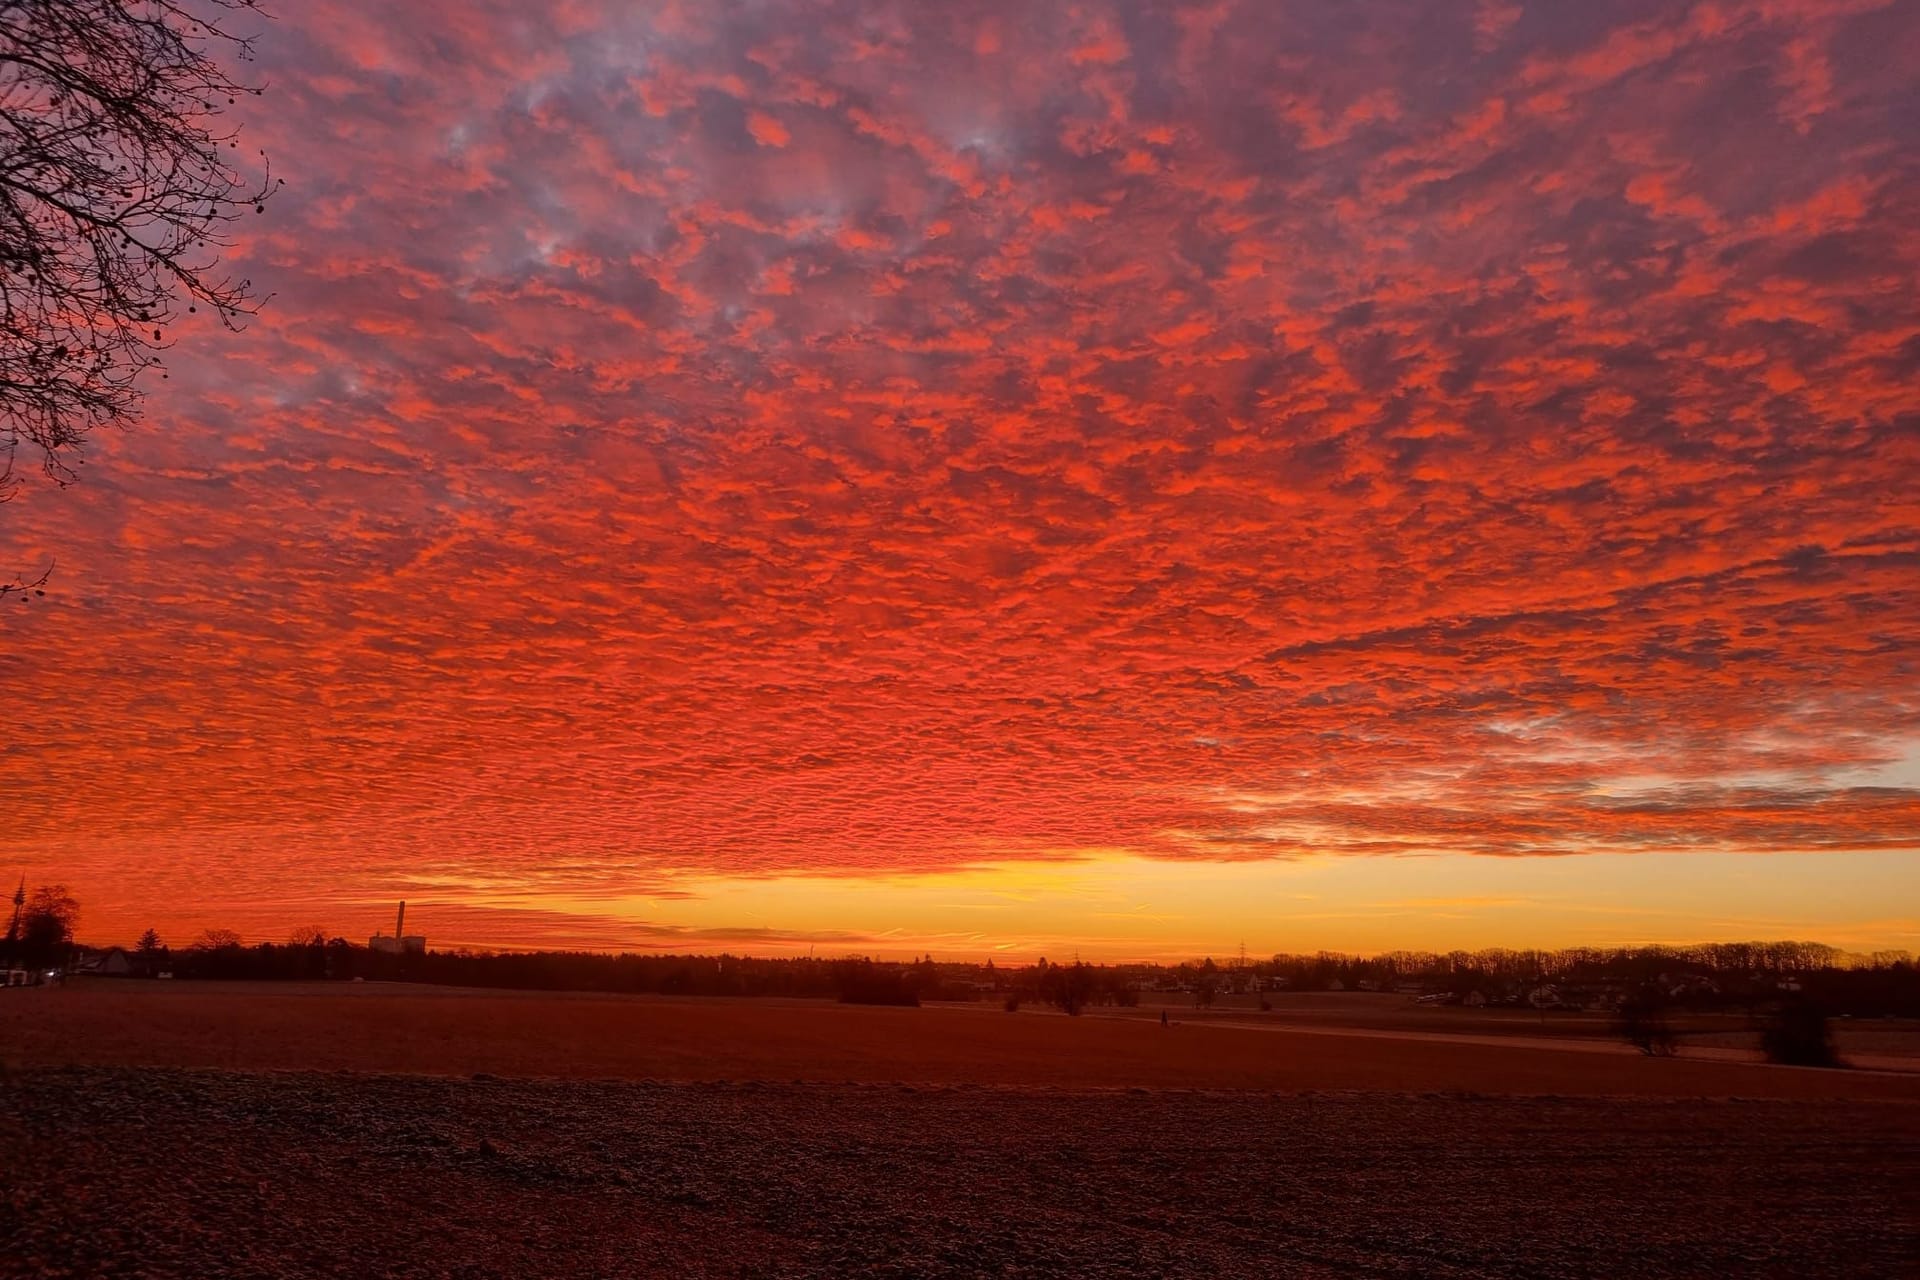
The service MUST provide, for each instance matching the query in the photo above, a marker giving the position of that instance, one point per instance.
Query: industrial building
(402, 942)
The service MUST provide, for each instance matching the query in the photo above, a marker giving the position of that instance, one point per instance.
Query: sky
(1141, 478)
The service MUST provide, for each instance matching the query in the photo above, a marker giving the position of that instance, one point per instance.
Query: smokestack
(400, 920)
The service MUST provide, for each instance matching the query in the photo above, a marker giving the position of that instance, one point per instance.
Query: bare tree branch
(26, 588)
(118, 185)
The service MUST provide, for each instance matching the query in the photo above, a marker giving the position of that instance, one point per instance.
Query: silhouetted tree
(1069, 988)
(150, 952)
(1798, 1036)
(1643, 1023)
(307, 948)
(47, 924)
(118, 183)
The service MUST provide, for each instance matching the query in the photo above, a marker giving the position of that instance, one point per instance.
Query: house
(111, 963)
(1597, 994)
(1689, 986)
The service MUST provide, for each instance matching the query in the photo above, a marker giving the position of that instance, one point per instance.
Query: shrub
(1798, 1036)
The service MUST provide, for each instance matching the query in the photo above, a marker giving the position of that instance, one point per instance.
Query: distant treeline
(1704, 976)
(1328, 970)
(853, 979)
(1720, 975)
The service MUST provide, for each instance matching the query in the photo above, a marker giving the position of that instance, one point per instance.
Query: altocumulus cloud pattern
(850, 436)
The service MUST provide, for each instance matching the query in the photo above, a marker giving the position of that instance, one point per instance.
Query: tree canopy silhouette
(47, 925)
(119, 180)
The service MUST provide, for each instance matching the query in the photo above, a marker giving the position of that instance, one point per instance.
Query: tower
(13, 930)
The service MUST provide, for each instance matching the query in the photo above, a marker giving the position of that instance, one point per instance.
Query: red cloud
(869, 436)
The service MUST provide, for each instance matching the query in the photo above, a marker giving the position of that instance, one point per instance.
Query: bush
(1798, 1036)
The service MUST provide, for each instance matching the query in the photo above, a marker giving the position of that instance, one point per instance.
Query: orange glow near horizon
(1136, 477)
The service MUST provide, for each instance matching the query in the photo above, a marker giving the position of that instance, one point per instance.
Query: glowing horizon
(808, 470)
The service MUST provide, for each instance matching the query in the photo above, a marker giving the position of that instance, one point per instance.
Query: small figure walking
(1163, 1017)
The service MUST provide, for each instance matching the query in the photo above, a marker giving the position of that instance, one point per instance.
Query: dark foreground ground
(163, 1173)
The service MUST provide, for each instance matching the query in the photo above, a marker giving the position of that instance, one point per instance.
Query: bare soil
(756, 1140)
(170, 1173)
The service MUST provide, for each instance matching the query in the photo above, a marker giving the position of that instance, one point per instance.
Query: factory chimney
(400, 920)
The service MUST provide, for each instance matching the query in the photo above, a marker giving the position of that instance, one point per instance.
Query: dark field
(379, 1027)
(203, 1173)
(674, 1138)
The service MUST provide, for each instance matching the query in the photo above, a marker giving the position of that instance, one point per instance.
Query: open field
(270, 1131)
(269, 1175)
(396, 1028)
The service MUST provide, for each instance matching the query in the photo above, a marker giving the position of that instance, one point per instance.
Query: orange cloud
(767, 130)
(859, 437)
